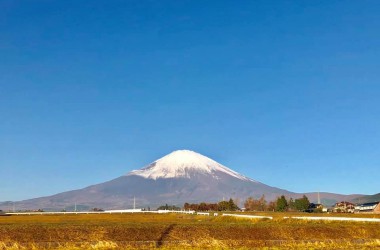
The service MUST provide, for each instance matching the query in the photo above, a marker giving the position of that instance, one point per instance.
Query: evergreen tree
(232, 206)
(281, 204)
(227, 206)
(302, 204)
(223, 206)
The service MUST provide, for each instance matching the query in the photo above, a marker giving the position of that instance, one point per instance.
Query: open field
(279, 215)
(171, 231)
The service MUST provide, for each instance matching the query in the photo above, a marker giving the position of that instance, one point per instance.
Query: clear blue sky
(285, 92)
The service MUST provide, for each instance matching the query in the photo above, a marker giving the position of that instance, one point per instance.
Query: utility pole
(134, 202)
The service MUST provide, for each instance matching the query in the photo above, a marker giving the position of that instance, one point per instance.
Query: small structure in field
(2, 212)
(120, 211)
(201, 213)
(344, 207)
(315, 207)
(163, 211)
(371, 207)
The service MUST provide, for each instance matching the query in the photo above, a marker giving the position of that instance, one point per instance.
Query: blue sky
(285, 92)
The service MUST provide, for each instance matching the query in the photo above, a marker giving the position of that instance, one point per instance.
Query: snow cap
(181, 163)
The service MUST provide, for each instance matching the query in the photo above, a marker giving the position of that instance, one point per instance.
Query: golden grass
(103, 245)
(180, 231)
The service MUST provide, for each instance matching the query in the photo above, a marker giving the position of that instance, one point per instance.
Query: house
(371, 207)
(344, 207)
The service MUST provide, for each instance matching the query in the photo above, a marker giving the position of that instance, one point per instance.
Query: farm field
(183, 231)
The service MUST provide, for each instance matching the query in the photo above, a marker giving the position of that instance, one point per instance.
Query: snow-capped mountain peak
(183, 163)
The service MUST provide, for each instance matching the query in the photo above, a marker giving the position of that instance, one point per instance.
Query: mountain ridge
(179, 177)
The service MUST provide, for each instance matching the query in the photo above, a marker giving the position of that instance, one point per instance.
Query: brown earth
(168, 231)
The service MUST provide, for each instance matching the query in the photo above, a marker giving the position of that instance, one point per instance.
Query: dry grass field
(180, 231)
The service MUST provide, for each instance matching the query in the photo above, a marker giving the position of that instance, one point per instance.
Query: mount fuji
(179, 177)
(185, 164)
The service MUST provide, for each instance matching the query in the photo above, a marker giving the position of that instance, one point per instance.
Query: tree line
(168, 207)
(219, 206)
(281, 204)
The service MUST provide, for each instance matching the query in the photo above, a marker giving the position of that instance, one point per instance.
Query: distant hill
(367, 198)
(329, 199)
